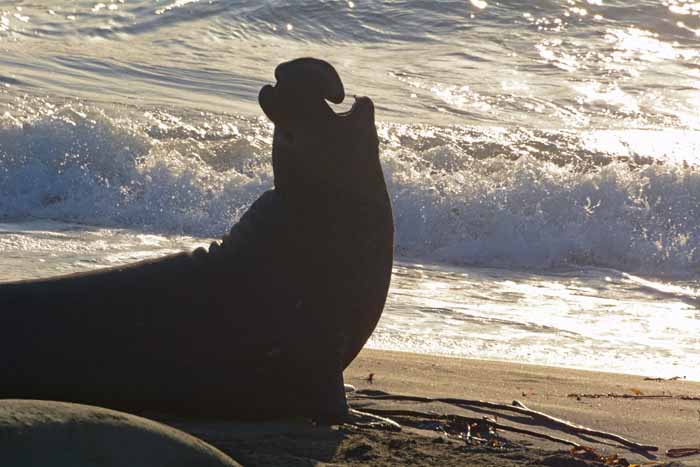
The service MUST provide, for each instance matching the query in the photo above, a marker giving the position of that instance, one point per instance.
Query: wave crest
(464, 195)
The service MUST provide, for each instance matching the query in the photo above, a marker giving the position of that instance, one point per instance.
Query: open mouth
(352, 109)
(269, 99)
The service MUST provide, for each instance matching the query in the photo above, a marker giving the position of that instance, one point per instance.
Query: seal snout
(303, 86)
(312, 77)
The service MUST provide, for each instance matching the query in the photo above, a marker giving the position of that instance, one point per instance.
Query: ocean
(542, 157)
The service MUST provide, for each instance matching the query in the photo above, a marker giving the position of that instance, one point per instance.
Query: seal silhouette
(260, 324)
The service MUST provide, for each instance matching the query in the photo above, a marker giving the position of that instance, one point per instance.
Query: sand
(668, 422)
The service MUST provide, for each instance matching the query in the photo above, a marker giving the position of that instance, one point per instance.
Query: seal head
(327, 172)
(316, 151)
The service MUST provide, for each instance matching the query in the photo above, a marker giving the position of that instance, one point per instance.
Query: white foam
(458, 205)
(480, 196)
(92, 169)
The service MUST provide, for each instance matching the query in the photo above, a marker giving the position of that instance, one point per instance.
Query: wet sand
(667, 422)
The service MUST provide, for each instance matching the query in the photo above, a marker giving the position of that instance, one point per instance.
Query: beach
(669, 422)
(542, 164)
(541, 158)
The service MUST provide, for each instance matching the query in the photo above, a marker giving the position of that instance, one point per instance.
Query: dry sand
(665, 422)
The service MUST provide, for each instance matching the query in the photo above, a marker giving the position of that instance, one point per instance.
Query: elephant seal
(290, 295)
(59, 434)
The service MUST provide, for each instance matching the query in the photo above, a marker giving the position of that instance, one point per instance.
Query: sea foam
(462, 195)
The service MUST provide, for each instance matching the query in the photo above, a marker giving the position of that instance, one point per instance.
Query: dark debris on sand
(301, 443)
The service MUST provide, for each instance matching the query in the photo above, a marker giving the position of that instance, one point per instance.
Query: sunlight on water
(674, 146)
(551, 319)
(570, 64)
(175, 4)
(683, 7)
(55, 248)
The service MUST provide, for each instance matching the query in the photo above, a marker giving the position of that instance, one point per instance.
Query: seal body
(58, 434)
(260, 325)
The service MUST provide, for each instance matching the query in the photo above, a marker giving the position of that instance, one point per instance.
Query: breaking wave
(479, 196)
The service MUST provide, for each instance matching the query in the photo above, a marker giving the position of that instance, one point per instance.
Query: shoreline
(543, 317)
(679, 377)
